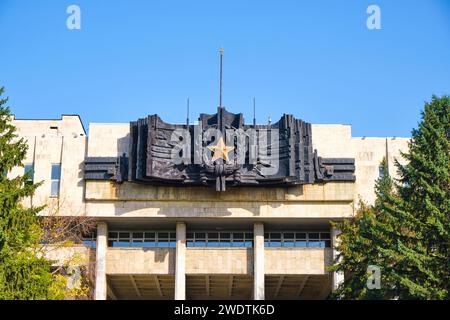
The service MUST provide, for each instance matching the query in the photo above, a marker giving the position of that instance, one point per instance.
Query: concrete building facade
(192, 242)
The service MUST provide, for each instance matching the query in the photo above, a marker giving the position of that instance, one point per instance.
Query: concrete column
(100, 261)
(180, 262)
(337, 276)
(258, 261)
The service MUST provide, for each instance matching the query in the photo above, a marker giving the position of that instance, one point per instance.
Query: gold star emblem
(220, 150)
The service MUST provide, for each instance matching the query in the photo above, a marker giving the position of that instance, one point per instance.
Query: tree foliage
(406, 231)
(23, 273)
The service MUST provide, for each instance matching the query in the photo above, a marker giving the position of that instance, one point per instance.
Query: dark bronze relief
(220, 151)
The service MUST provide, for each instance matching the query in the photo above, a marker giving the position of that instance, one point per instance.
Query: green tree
(23, 273)
(362, 241)
(406, 231)
(425, 192)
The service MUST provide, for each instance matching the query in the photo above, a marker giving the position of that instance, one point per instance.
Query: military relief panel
(219, 152)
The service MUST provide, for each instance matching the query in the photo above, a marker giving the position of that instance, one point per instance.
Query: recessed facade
(231, 232)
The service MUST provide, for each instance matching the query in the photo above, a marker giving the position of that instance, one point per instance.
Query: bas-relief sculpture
(220, 151)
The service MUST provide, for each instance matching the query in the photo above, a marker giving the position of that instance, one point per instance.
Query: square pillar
(337, 276)
(180, 262)
(100, 262)
(258, 261)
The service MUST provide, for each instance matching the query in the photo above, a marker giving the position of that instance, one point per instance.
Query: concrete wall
(140, 261)
(55, 142)
(75, 255)
(236, 261)
(107, 199)
(368, 153)
(219, 261)
(297, 260)
(336, 141)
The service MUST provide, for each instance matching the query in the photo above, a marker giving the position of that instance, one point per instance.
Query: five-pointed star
(220, 150)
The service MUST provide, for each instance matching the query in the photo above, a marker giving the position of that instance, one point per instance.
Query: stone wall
(219, 261)
(297, 260)
(140, 261)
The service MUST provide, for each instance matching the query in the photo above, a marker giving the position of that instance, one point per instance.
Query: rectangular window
(29, 169)
(291, 239)
(381, 171)
(90, 240)
(55, 179)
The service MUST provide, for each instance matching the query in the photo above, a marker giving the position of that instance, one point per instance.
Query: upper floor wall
(331, 141)
(56, 151)
(63, 142)
(336, 141)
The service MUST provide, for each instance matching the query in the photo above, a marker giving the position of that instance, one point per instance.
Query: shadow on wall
(123, 145)
(161, 254)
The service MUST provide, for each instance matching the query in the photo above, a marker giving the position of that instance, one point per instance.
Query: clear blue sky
(315, 59)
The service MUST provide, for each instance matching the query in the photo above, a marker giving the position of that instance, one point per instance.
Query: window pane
(248, 243)
(54, 192)
(300, 235)
(139, 235)
(213, 235)
(288, 235)
(288, 243)
(380, 171)
(199, 243)
(238, 236)
(122, 244)
(301, 244)
(163, 235)
(29, 168)
(213, 243)
(136, 244)
(225, 243)
(314, 236)
(275, 244)
(238, 243)
(150, 235)
(112, 234)
(225, 236)
(56, 171)
(149, 244)
(325, 235)
(314, 244)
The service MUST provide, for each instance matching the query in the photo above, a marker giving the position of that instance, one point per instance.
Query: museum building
(219, 209)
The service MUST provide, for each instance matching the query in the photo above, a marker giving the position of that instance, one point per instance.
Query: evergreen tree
(23, 274)
(406, 231)
(362, 241)
(425, 191)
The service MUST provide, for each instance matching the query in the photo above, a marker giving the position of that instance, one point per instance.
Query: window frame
(53, 180)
